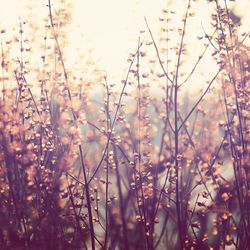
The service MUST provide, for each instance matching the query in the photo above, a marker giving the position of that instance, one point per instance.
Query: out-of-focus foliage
(87, 164)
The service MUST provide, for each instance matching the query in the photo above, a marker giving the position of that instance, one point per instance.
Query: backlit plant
(140, 164)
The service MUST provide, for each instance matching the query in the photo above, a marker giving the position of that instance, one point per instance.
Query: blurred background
(109, 30)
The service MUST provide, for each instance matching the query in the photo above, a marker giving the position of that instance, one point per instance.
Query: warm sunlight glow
(124, 124)
(111, 28)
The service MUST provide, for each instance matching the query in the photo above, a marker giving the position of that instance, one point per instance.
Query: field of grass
(140, 164)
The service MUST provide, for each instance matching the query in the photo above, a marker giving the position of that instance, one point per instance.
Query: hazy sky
(111, 27)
